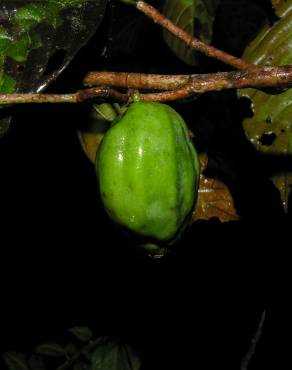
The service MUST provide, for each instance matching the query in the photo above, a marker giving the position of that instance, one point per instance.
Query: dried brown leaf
(214, 201)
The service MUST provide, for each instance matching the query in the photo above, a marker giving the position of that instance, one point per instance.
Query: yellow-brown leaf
(214, 200)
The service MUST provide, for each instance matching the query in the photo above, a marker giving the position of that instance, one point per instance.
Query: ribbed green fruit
(148, 171)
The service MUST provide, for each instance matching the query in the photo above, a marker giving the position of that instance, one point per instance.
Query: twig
(36, 98)
(137, 80)
(266, 77)
(78, 97)
(88, 347)
(191, 41)
(251, 351)
(186, 86)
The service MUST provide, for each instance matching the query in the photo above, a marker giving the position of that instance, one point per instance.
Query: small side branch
(175, 87)
(192, 42)
(266, 77)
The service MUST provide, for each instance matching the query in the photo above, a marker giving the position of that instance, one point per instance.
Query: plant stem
(78, 97)
(265, 77)
(36, 98)
(177, 87)
(191, 41)
(136, 80)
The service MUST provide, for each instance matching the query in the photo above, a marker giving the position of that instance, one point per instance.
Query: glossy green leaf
(15, 360)
(83, 333)
(270, 129)
(51, 350)
(34, 34)
(194, 17)
(114, 355)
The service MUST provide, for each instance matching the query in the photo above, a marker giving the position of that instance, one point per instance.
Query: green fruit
(148, 172)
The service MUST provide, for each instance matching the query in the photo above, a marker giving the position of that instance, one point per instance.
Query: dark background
(64, 263)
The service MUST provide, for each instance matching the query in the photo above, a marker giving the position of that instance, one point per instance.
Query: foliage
(38, 41)
(269, 129)
(89, 354)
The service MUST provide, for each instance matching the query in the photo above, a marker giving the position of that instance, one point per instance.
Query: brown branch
(191, 41)
(136, 80)
(196, 84)
(91, 94)
(179, 94)
(36, 98)
(79, 97)
(266, 77)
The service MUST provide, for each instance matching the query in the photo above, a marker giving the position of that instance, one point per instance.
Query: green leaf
(7, 84)
(33, 34)
(51, 350)
(133, 358)
(20, 49)
(5, 40)
(194, 17)
(104, 112)
(280, 6)
(36, 362)
(270, 127)
(15, 360)
(30, 15)
(114, 355)
(82, 333)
